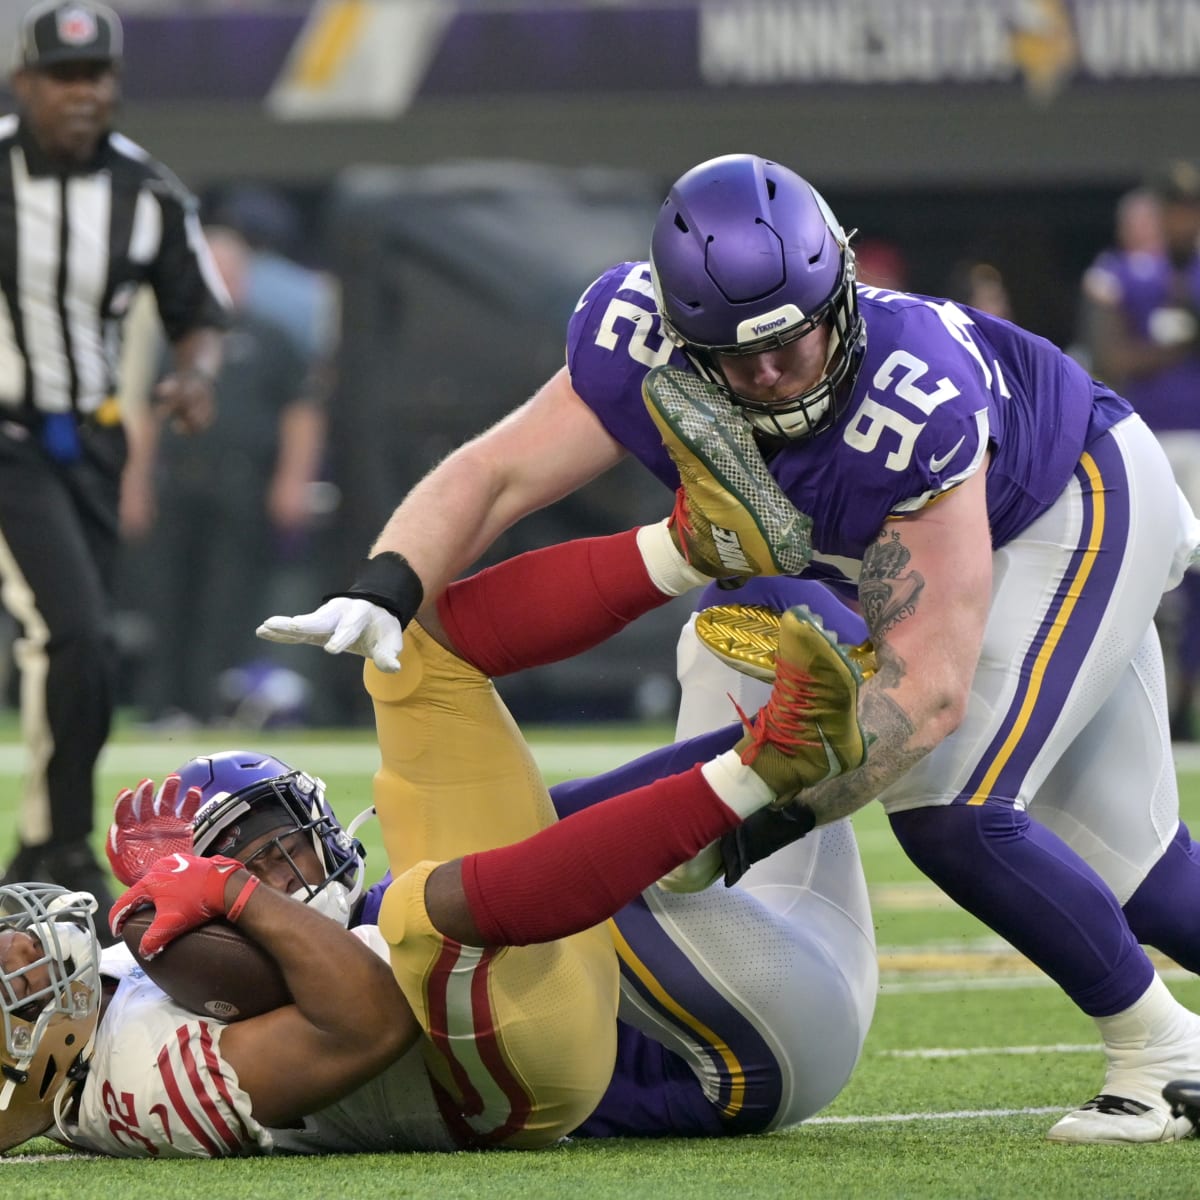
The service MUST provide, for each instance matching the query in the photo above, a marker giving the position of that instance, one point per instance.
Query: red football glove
(185, 891)
(148, 824)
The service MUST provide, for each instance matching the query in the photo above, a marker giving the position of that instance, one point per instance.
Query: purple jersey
(1145, 287)
(940, 385)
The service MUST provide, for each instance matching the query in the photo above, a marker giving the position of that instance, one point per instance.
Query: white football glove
(340, 624)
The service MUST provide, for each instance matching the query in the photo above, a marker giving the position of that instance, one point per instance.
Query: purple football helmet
(746, 256)
(245, 795)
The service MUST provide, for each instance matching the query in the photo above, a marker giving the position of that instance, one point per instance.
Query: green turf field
(970, 1059)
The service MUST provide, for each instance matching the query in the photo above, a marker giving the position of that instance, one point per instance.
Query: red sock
(580, 871)
(549, 604)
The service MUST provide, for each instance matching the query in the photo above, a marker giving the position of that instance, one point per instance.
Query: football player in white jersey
(734, 1047)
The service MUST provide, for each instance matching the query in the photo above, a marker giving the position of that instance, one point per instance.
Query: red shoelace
(780, 722)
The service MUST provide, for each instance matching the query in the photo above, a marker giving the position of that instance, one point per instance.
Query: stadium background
(465, 169)
(509, 152)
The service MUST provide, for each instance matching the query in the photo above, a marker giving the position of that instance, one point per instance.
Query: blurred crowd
(1140, 332)
(219, 530)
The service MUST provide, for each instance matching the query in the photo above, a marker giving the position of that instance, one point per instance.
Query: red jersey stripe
(436, 987)
(487, 1041)
(197, 1081)
(166, 1071)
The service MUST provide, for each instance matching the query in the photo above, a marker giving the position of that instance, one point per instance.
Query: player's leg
(520, 1041)
(455, 773)
(766, 992)
(770, 1035)
(1138, 846)
(56, 556)
(806, 903)
(1051, 658)
(590, 864)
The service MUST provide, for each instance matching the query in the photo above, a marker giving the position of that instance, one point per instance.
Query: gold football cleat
(739, 520)
(746, 637)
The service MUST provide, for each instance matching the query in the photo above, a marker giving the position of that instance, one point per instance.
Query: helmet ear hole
(48, 1076)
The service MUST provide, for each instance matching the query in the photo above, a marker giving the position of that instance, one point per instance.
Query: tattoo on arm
(888, 757)
(889, 592)
(887, 589)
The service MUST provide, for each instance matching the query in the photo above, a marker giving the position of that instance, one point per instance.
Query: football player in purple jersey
(1006, 525)
(1142, 326)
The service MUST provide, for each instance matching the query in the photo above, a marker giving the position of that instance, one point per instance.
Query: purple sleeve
(367, 912)
(614, 338)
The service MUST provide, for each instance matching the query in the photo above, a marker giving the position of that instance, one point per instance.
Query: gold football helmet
(49, 1001)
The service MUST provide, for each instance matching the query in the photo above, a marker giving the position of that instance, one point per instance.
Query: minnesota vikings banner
(373, 58)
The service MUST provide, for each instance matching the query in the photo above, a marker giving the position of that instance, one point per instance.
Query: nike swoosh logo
(936, 464)
(831, 755)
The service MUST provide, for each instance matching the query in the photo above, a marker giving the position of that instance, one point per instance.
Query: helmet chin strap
(67, 1093)
(332, 900)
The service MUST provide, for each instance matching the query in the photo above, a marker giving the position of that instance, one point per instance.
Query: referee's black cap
(61, 31)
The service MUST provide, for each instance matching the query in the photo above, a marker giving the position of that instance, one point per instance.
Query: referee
(86, 218)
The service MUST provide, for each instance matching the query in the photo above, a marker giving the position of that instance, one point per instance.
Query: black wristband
(761, 834)
(389, 581)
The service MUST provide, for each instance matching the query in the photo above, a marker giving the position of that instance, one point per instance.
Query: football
(213, 970)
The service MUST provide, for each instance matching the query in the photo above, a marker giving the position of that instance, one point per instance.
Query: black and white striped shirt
(74, 248)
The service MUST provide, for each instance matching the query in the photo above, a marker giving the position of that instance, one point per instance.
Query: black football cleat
(1183, 1095)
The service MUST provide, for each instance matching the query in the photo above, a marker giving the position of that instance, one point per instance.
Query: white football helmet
(49, 1001)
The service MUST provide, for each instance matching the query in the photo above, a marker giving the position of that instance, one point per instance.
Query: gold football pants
(520, 1040)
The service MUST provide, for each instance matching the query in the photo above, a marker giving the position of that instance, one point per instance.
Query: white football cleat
(1131, 1107)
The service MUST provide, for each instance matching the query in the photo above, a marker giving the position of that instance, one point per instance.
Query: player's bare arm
(546, 449)
(300, 1058)
(924, 590)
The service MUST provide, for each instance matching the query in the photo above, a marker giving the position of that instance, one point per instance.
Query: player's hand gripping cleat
(808, 731)
(732, 518)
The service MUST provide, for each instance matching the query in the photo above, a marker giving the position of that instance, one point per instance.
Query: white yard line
(958, 1115)
(977, 1051)
(158, 757)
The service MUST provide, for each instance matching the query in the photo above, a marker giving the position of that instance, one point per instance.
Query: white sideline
(958, 1115)
(155, 758)
(557, 757)
(976, 1051)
